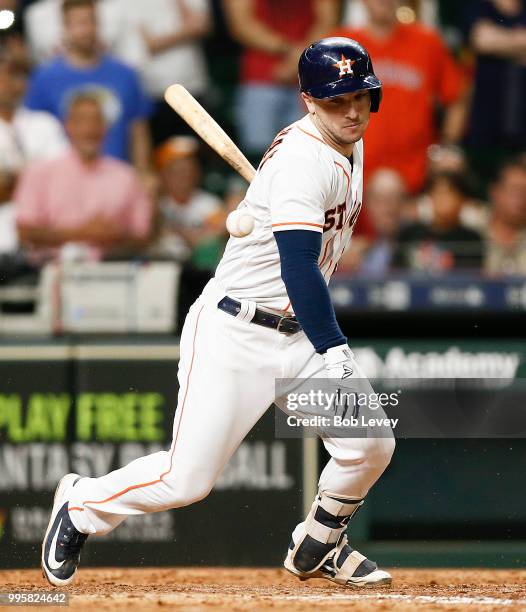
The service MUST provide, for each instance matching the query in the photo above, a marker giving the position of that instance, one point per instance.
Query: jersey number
(330, 217)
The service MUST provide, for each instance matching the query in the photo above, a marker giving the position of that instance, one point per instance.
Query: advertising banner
(93, 409)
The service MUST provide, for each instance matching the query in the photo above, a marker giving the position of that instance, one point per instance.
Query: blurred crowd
(95, 165)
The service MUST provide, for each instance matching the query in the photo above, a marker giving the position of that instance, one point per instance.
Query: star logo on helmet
(345, 66)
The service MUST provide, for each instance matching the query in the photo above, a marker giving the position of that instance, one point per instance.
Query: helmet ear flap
(376, 98)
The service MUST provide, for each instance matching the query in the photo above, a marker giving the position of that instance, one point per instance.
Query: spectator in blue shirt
(83, 68)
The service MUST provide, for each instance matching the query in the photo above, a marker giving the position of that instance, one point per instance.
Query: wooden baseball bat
(210, 131)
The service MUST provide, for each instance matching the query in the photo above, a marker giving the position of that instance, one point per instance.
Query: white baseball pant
(227, 372)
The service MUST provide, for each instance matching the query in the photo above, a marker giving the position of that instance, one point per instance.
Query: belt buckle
(282, 331)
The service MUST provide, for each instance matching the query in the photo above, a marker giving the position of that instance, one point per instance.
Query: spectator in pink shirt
(83, 197)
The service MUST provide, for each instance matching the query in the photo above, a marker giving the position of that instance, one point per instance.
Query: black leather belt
(285, 325)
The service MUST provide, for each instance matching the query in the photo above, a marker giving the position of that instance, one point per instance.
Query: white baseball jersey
(302, 183)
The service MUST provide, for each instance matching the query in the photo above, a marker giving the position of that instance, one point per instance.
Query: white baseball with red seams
(228, 365)
(240, 223)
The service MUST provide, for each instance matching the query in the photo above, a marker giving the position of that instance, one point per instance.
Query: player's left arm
(299, 251)
(309, 295)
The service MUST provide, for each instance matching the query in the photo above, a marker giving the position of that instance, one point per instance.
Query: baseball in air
(239, 223)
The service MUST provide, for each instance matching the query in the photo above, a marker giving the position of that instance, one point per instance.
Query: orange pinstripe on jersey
(297, 223)
(346, 176)
(311, 135)
(160, 479)
(325, 252)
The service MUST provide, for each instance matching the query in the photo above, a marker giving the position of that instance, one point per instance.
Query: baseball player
(266, 315)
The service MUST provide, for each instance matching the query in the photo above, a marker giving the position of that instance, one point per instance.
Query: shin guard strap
(339, 507)
(322, 533)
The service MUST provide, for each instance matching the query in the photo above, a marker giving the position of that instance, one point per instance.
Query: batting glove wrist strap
(338, 355)
(340, 362)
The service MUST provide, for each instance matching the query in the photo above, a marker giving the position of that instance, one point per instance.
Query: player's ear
(309, 103)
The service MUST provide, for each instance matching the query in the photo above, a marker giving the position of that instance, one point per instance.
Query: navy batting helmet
(335, 66)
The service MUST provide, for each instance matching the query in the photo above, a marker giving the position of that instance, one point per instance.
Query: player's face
(342, 120)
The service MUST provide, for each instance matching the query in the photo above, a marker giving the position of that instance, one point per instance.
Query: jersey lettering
(340, 210)
(330, 217)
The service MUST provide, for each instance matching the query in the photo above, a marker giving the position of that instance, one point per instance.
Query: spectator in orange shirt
(416, 71)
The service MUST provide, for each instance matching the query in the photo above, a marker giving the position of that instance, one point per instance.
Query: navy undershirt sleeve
(299, 251)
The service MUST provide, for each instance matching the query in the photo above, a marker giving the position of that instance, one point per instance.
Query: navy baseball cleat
(62, 543)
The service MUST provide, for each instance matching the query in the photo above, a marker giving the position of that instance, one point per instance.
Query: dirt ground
(274, 589)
